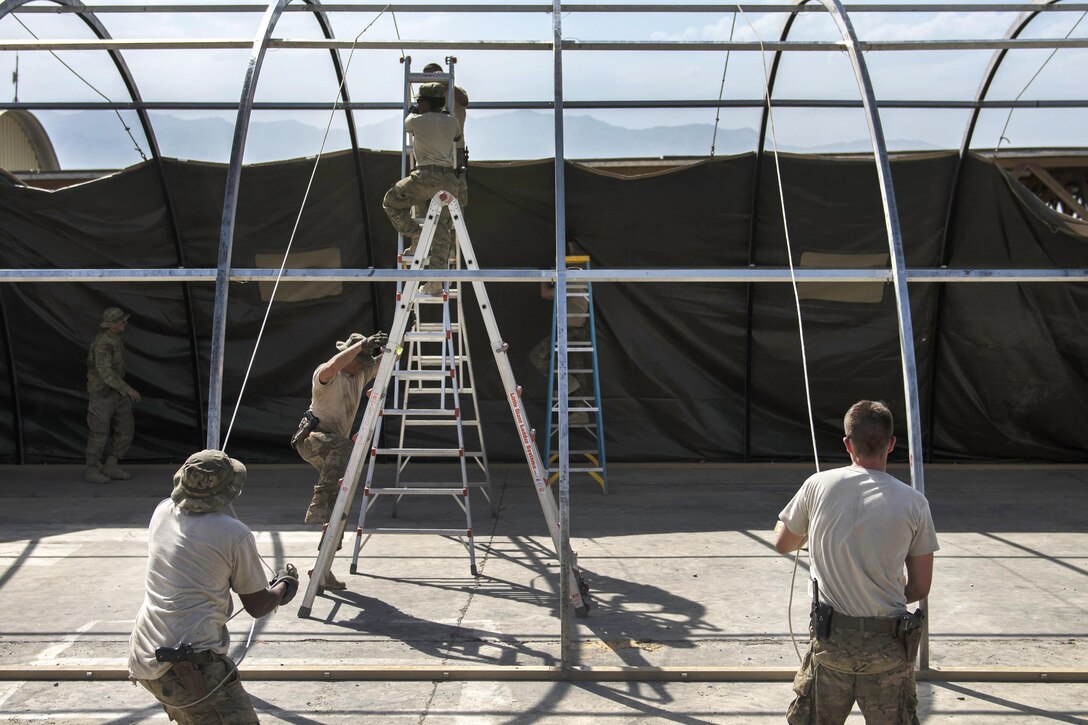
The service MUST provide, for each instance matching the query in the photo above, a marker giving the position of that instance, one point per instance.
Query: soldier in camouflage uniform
(864, 529)
(324, 436)
(460, 112)
(109, 408)
(434, 143)
(197, 555)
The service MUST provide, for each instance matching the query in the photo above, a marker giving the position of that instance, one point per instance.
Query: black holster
(820, 615)
(185, 667)
(908, 630)
(306, 426)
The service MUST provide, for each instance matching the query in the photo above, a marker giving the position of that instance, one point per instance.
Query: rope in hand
(796, 300)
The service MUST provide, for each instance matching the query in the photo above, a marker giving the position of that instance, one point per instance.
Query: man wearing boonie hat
(434, 143)
(197, 554)
(110, 399)
(324, 435)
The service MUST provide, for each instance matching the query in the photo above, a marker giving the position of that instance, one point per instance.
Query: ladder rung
(436, 412)
(422, 299)
(555, 409)
(428, 77)
(436, 326)
(425, 336)
(405, 491)
(433, 360)
(420, 452)
(422, 374)
(441, 532)
(416, 423)
(575, 469)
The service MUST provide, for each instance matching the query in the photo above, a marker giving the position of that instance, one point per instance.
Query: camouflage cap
(112, 315)
(352, 339)
(432, 90)
(207, 482)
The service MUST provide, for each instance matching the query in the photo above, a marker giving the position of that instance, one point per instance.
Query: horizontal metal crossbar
(538, 45)
(727, 274)
(566, 7)
(535, 105)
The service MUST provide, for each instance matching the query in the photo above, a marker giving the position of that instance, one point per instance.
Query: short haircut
(868, 424)
(432, 68)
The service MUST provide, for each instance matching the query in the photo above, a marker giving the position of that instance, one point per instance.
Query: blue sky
(527, 76)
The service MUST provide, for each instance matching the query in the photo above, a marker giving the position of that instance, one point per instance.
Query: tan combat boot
(94, 474)
(113, 471)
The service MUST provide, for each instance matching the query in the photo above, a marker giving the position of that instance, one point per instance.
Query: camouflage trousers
(867, 667)
(417, 189)
(229, 704)
(106, 414)
(329, 454)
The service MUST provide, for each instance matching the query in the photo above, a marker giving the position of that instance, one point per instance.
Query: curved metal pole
(998, 58)
(368, 242)
(1018, 26)
(230, 211)
(92, 22)
(898, 261)
(752, 221)
(895, 237)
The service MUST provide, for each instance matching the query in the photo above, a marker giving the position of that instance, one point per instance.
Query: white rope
(298, 220)
(796, 299)
(1001, 137)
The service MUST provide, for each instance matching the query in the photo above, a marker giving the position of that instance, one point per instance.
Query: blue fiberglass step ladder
(586, 421)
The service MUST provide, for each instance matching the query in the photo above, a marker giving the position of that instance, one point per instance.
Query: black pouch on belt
(908, 630)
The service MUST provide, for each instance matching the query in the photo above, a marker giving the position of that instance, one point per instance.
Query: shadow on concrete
(1019, 708)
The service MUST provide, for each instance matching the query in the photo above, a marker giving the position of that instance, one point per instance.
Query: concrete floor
(678, 558)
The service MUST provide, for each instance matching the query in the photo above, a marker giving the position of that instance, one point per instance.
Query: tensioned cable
(298, 221)
(1001, 136)
(87, 83)
(796, 299)
(721, 90)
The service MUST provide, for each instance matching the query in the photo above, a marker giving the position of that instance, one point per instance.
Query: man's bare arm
(919, 577)
(339, 361)
(785, 540)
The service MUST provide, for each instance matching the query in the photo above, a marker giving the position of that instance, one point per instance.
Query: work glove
(375, 343)
(289, 576)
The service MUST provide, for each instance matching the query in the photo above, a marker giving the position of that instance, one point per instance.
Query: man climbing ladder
(442, 202)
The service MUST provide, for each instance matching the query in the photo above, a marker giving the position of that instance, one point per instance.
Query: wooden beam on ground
(530, 673)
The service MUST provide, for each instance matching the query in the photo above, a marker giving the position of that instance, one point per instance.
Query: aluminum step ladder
(375, 402)
(586, 420)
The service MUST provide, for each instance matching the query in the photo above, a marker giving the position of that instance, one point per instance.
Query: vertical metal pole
(13, 380)
(230, 210)
(898, 262)
(565, 623)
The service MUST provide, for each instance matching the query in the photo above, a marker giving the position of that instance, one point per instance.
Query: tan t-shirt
(861, 525)
(434, 138)
(194, 561)
(336, 402)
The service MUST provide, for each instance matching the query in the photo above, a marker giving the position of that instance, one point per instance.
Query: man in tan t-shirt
(864, 529)
(198, 553)
(434, 143)
(337, 387)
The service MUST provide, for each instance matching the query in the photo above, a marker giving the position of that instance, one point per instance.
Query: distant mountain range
(97, 140)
